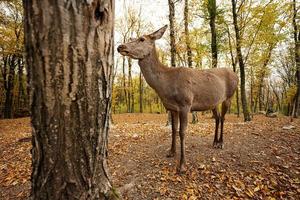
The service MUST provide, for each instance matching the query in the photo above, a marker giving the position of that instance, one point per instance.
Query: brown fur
(183, 89)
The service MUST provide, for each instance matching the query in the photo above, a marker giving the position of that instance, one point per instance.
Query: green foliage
(11, 27)
(151, 101)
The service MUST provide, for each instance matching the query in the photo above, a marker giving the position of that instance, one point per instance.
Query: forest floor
(261, 160)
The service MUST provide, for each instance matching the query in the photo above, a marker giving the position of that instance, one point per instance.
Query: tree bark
(171, 4)
(187, 34)
(188, 48)
(20, 82)
(212, 10)
(69, 55)
(124, 82)
(172, 32)
(241, 64)
(297, 58)
(129, 108)
(141, 91)
(233, 62)
(9, 86)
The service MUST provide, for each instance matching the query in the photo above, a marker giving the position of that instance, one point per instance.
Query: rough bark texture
(69, 55)
(241, 63)
(9, 68)
(297, 58)
(187, 36)
(212, 10)
(172, 32)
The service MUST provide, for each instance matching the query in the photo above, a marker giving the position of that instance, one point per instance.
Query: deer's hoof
(171, 154)
(220, 145)
(182, 169)
(215, 145)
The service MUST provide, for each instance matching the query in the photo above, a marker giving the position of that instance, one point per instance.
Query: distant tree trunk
(237, 96)
(234, 62)
(251, 89)
(141, 90)
(130, 88)
(21, 90)
(172, 41)
(262, 76)
(260, 95)
(277, 96)
(124, 82)
(172, 32)
(241, 63)
(297, 57)
(70, 63)
(188, 47)
(238, 102)
(132, 100)
(212, 11)
(187, 34)
(9, 86)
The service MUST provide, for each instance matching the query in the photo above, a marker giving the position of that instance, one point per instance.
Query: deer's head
(141, 47)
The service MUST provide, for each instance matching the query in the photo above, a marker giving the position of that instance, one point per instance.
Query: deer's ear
(159, 33)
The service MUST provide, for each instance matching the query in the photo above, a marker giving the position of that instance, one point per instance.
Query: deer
(183, 89)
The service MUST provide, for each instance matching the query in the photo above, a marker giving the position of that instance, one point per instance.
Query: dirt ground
(261, 160)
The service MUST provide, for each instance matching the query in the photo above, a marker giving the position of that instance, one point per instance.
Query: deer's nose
(121, 47)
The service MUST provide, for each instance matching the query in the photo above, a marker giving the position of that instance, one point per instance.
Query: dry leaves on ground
(260, 159)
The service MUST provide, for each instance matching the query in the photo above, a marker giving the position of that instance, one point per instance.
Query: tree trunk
(188, 48)
(141, 90)
(172, 42)
(276, 96)
(70, 61)
(260, 93)
(130, 88)
(297, 58)
(238, 102)
(234, 62)
(212, 10)
(9, 87)
(241, 64)
(172, 32)
(187, 36)
(124, 82)
(20, 87)
(251, 89)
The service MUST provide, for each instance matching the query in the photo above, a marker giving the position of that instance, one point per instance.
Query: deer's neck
(153, 70)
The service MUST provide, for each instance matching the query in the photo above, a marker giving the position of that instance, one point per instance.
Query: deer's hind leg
(225, 106)
(183, 116)
(175, 118)
(217, 117)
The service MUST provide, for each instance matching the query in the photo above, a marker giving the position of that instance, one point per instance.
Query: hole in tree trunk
(99, 13)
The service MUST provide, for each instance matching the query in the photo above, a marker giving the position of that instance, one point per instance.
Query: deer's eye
(142, 39)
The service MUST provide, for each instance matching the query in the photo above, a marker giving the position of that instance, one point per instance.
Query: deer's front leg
(183, 116)
(172, 151)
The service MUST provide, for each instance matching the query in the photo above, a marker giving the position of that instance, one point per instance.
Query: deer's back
(203, 89)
